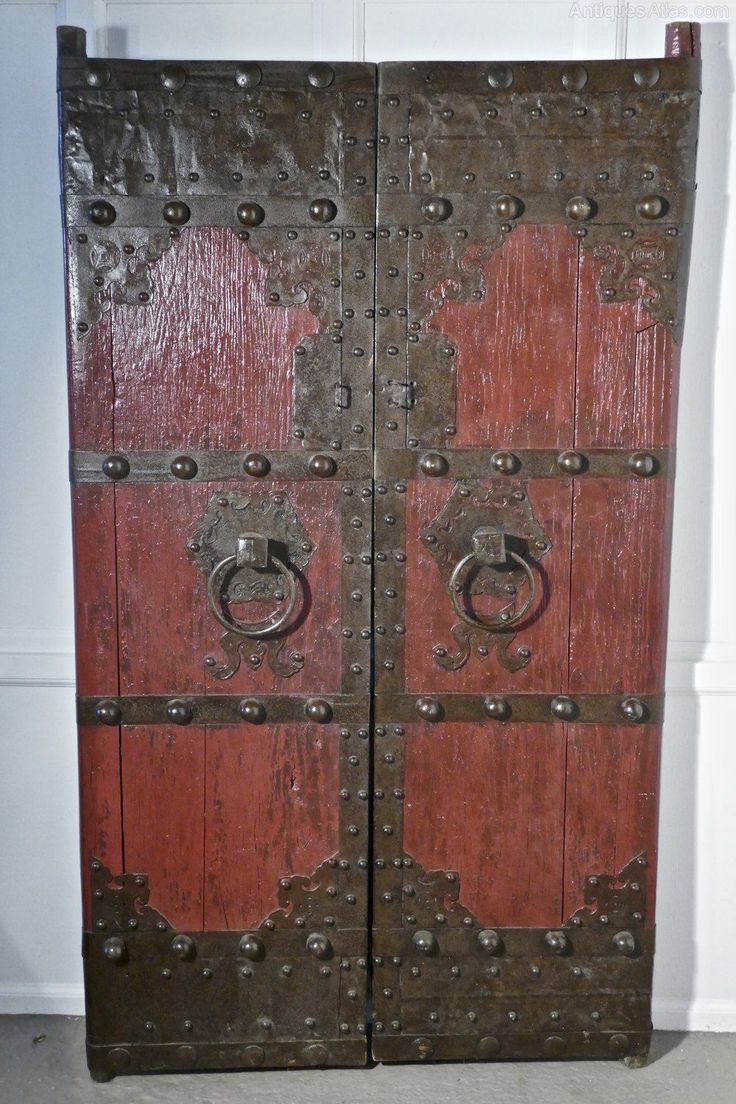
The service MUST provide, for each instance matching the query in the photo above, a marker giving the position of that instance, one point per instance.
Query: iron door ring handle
(266, 627)
(490, 623)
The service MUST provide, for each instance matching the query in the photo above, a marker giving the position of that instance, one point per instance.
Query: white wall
(40, 970)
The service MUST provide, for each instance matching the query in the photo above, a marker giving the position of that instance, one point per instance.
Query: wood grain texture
(270, 811)
(619, 586)
(516, 347)
(656, 385)
(429, 615)
(95, 588)
(100, 813)
(611, 804)
(163, 816)
(90, 386)
(488, 802)
(208, 354)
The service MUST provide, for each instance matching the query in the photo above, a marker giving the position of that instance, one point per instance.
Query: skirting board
(24, 998)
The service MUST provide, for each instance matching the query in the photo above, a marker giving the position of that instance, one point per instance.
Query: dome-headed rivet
(101, 213)
(507, 207)
(564, 708)
(322, 466)
(643, 464)
(173, 77)
(179, 711)
(319, 945)
(425, 942)
(651, 207)
(500, 76)
(108, 712)
(254, 1055)
(184, 947)
(490, 941)
(252, 711)
(574, 78)
(497, 708)
(250, 214)
(646, 74)
(184, 467)
(322, 210)
(488, 1046)
(558, 942)
(433, 463)
(436, 208)
(320, 75)
(579, 208)
(115, 467)
(633, 709)
(625, 943)
(176, 212)
(97, 74)
(506, 463)
(571, 462)
(114, 949)
(619, 1045)
(252, 947)
(554, 1046)
(256, 464)
(248, 75)
(429, 709)
(317, 709)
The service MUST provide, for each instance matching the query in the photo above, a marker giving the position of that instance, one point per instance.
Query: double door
(373, 379)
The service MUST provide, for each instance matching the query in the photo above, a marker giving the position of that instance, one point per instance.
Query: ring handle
(268, 625)
(499, 621)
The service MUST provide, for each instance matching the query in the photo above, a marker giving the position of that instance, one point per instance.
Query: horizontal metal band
(478, 463)
(286, 211)
(223, 947)
(124, 1058)
(243, 78)
(397, 208)
(594, 941)
(508, 78)
(216, 466)
(541, 708)
(220, 709)
(556, 1043)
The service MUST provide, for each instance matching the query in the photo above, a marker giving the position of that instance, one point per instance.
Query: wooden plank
(487, 801)
(429, 615)
(619, 587)
(208, 354)
(163, 817)
(100, 815)
(90, 385)
(655, 389)
(270, 811)
(611, 803)
(516, 347)
(95, 588)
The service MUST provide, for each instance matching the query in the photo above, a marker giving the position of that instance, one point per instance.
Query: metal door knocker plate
(486, 541)
(252, 548)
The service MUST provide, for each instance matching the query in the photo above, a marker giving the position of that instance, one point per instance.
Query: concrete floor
(42, 1060)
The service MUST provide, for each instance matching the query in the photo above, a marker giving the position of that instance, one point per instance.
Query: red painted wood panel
(100, 815)
(429, 614)
(488, 801)
(656, 383)
(611, 804)
(208, 362)
(95, 588)
(619, 589)
(516, 347)
(270, 811)
(90, 384)
(163, 816)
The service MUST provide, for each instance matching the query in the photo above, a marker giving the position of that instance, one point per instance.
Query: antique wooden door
(343, 668)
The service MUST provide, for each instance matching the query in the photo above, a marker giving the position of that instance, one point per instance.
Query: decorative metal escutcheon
(487, 541)
(252, 548)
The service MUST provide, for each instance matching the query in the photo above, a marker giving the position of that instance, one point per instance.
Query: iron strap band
(502, 708)
(156, 466)
(556, 1043)
(521, 944)
(396, 208)
(507, 79)
(224, 944)
(264, 1053)
(222, 709)
(483, 463)
(278, 211)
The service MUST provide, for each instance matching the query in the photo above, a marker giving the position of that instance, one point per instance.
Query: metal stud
(554, 1046)
(108, 712)
(116, 467)
(558, 942)
(321, 75)
(506, 463)
(318, 710)
(322, 210)
(651, 207)
(252, 947)
(490, 941)
(643, 464)
(176, 212)
(564, 708)
(101, 213)
(500, 76)
(184, 947)
(114, 949)
(425, 942)
(579, 208)
(173, 77)
(574, 78)
(625, 943)
(571, 462)
(633, 709)
(97, 74)
(256, 464)
(184, 467)
(250, 214)
(322, 466)
(646, 74)
(433, 463)
(319, 945)
(507, 207)
(488, 1047)
(429, 709)
(497, 708)
(252, 711)
(436, 208)
(179, 711)
(619, 1045)
(248, 75)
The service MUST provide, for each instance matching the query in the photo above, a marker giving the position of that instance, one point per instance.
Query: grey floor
(42, 1060)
